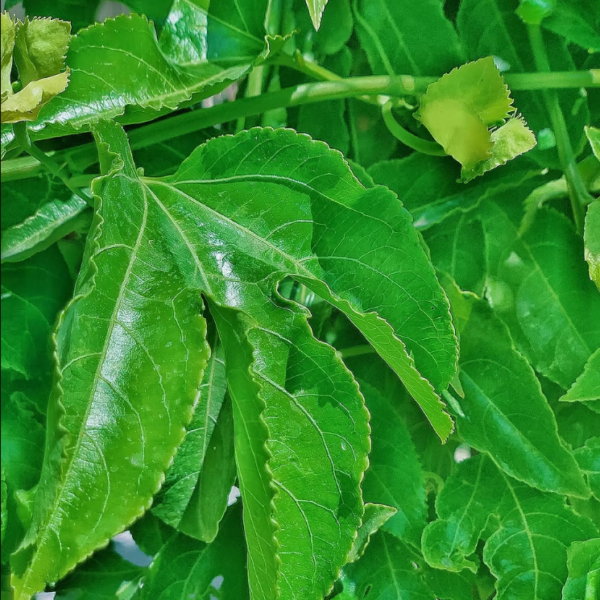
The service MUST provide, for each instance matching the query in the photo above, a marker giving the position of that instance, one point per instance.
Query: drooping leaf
(506, 39)
(587, 386)
(104, 576)
(394, 477)
(186, 568)
(583, 559)
(505, 412)
(376, 515)
(146, 322)
(183, 477)
(428, 186)
(543, 294)
(529, 531)
(50, 223)
(401, 37)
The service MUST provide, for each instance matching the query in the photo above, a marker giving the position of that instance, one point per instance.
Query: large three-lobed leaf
(240, 214)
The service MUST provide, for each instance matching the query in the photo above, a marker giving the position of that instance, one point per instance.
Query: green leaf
(119, 65)
(593, 136)
(385, 572)
(458, 111)
(316, 9)
(587, 386)
(129, 313)
(591, 238)
(209, 500)
(8, 44)
(543, 294)
(394, 477)
(101, 577)
(573, 20)
(506, 38)
(183, 477)
(33, 292)
(588, 457)
(53, 221)
(528, 531)
(583, 559)
(40, 48)
(80, 12)
(533, 12)
(4, 515)
(400, 36)
(505, 412)
(435, 194)
(375, 516)
(186, 568)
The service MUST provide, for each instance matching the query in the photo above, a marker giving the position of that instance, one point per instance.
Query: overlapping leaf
(505, 412)
(583, 559)
(529, 531)
(401, 36)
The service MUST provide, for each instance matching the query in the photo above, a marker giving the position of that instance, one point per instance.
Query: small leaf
(533, 12)
(375, 516)
(40, 48)
(583, 559)
(587, 386)
(509, 141)
(316, 9)
(505, 412)
(8, 43)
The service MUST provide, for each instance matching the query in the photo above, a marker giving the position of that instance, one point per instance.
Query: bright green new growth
(460, 110)
(38, 48)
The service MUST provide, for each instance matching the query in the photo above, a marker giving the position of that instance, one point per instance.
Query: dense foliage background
(260, 247)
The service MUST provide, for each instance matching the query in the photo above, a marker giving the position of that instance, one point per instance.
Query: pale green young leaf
(527, 531)
(182, 478)
(400, 36)
(505, 412)
(509, 141)
(131, 313)
(591, 238)
(506, 38)
(8, 43)
(186, 568)
(394, 477)
(583, 559)
(40, 48)
(316, 9)
(375, 516)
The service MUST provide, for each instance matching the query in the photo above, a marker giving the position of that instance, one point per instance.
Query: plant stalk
(332, 89)
(577, 192)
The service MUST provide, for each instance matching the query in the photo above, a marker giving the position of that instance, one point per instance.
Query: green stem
(332, 88)
(406, 137)
(22, 137)
(577, 192)
(356, 351)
